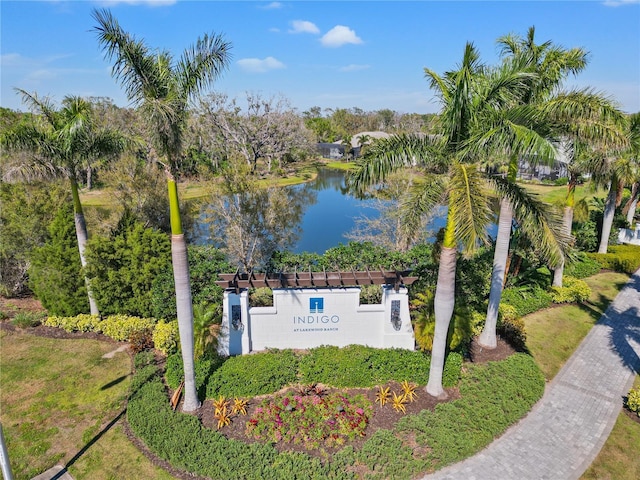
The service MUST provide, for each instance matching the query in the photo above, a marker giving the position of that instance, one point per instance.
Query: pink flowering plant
(310, 420)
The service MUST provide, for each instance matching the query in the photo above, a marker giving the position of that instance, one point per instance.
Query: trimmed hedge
(361, 366)
(257, 374)
(526, 300)
(584, 266)
(620, 258)
(493, 397)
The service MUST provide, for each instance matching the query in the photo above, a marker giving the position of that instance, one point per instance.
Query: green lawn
(57, 397)
(554, 333)
(555, 195)
(619, 458)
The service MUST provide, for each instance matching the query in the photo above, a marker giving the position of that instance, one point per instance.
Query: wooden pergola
(298, 279)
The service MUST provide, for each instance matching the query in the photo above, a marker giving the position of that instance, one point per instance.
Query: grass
(70, 394)
(616, 460)
(555, 195)
(554, 333)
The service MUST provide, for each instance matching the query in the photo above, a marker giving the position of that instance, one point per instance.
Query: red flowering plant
(310, 420)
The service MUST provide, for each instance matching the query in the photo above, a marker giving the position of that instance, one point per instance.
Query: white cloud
(618, 3)
(340, 35)
(255, 65)
(354, 68)
(273, 6)
(303, 26)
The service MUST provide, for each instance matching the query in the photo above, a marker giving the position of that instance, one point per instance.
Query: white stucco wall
(307, 318)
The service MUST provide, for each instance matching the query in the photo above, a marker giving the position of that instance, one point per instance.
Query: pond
(327, 213)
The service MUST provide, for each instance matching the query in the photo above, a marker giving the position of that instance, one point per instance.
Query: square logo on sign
(316, 305)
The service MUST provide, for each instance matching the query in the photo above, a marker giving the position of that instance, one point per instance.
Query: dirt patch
(632, 415)
(480, 354)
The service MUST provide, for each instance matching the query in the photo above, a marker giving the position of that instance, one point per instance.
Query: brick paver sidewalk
(566, 429)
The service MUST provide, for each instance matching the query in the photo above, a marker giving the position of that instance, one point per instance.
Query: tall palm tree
(472, 120)
(162, 89)
(553, 115)
(60, 143)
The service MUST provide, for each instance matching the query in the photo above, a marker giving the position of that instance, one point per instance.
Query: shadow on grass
(114, 382)
(107, 427)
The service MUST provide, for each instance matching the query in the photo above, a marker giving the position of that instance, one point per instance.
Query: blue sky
(331, 54)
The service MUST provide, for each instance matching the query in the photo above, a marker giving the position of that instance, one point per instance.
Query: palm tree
(162, 88)
(60, 143)
(553, 116)
(472, 120)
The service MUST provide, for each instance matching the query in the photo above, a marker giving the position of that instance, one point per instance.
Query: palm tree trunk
(488, 336)
(82, 236)
(607, 219)
(443, 308)
(567, 221)
(183, 298)
(444, 303)
(630, 207)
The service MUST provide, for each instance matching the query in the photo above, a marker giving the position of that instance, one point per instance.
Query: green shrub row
(526, 300)
(620, 258)
(121, 328)
(572, 290)
(493, 397)
(584, 266)
(361, 366)
(351, 366)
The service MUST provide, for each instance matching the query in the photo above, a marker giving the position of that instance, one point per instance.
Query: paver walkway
(564, 432)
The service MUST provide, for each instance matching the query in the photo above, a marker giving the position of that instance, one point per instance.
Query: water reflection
(313, 216)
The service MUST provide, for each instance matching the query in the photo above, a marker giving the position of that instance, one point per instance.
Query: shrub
(310, 420)
(526, 300)
(261, 297)
(205, 263)
(121, 327)
(55, 274)
(493, 396)
(461, 327)
(633, 400)
(166, 337)
(370, 294)
(361, 366)
(123, 266)
(203, 366)
(621, 258)
(582, 267)
(80, 323)
(27, 319)
(572, 290)
(512, 330)
(270, 371)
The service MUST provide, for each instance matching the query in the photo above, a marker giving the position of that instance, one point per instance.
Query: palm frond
(588, 115)
(41, 106)
(540, 222)
(387, 155)
(425, 194)
(135, 67)
(469, 200)
(201, 64)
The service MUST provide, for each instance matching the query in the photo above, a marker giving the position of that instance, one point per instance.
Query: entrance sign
(309, 317)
